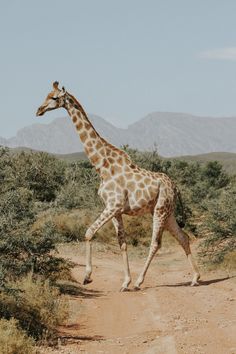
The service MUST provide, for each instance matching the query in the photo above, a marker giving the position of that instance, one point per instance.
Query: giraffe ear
(62, 92)
(55, 85)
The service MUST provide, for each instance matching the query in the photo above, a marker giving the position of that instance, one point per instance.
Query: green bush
(40, 173)
(80, 187)
(220, 226)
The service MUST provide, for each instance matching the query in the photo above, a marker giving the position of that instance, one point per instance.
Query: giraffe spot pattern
(74, 118)
(93, 134)
(83, 136)
(119, 173)
(79, 126)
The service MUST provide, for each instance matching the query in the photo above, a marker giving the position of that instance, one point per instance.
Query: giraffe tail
(181, 222)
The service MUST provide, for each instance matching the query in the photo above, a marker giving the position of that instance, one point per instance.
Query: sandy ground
(167, 316)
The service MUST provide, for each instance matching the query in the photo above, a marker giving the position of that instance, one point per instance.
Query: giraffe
(125, 189)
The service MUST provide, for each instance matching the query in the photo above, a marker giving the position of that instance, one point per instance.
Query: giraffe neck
(91, 140)
(100, 153)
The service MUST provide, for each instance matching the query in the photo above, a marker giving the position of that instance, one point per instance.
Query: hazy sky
(121, 58)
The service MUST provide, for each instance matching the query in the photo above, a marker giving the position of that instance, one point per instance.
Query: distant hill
(174, 134)
(227, 159)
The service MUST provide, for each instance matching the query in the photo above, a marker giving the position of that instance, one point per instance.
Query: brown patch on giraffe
(111, 160)
(114, 154)
(110, 186)
(89, 144)
(71, 101)
(120, 160)
(87, 125)
(79, 125)
(131, 186)
(74, 118)
(95, 158)
(108, 152)
(121, 181)
(147, 180)
(141, 185)
(105, 163)
(138, 177)
(129, 175)
(83, 136)
(118, 169)
(102, 151)
(118, 190)
(93, 134)
(98, 145)
(115, 170)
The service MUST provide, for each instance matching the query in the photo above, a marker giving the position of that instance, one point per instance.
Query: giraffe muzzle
(40, 112)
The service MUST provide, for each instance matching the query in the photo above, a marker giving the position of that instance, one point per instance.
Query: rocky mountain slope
(173, 134)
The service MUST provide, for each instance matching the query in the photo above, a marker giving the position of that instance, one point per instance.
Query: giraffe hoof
(123, 289)
(195, 283)
(87, 281)
(137, 288)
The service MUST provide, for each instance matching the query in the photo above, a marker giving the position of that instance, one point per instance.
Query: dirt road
(167, 316)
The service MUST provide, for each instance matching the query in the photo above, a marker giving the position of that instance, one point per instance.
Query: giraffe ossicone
(125, 189)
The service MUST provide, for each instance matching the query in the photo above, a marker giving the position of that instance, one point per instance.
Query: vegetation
(46, 200)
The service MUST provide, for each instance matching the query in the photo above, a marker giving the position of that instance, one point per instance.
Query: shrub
(80, 187)
(219, 225)
(39, 172)
(36, 305)
(24, 252)
(13, 340)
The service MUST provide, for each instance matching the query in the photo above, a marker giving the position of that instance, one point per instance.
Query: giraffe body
(125, 189)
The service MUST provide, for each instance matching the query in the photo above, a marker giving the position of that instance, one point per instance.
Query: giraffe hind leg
(183, 240)
(160, 216)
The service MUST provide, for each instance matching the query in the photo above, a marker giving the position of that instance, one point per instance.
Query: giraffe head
(55, 99)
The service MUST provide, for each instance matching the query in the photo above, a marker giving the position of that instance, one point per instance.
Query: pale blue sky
(121, 59)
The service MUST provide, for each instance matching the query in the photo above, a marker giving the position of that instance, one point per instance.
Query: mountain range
(172, 134)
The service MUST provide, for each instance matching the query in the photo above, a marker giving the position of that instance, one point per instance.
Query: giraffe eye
(54, 98)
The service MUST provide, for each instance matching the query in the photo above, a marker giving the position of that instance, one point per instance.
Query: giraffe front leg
(119, 227)
(105, 216)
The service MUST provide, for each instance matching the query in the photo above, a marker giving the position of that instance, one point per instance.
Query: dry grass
(45, 301)
(36, 305)
(72, 225)
(14, 340)
(229, 263)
